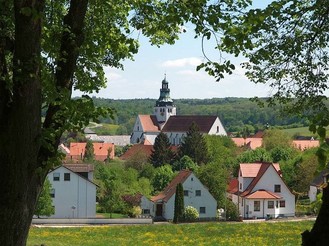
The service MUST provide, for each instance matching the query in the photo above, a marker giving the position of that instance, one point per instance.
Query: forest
(236, 114)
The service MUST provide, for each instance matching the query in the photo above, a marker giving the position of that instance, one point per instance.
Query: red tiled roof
(263, 194)
(251, 170)
(251, 143)
(233, 186)
(181, 123)
(149, 123)
(171, 187)
(259, 134)
(137, 148)
(134, 200)
(77, 150)
(305, 144)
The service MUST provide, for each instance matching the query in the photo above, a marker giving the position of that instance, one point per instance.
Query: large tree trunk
(318, 236)
(20, 128)
(24, 158)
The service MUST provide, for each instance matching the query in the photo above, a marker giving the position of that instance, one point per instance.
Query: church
(164, 119)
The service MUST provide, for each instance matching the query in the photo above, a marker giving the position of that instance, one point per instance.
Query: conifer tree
(179, 204)
(161, 153)
(194, 145)
(89, 151)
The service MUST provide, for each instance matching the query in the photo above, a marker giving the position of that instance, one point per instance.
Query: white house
(195, 195)
(317, 184)
(73, 192)
(261, 192)
(164, 118)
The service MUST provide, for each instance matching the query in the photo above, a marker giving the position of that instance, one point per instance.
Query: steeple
(164, 106)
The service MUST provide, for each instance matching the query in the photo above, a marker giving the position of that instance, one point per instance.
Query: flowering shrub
(190, 213)
(136, 211)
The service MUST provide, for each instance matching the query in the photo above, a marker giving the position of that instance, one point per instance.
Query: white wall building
(261, 192)
(195, 195)
(74, 195)
(164, 118)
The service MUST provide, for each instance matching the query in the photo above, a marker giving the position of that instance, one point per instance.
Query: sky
(142, 77)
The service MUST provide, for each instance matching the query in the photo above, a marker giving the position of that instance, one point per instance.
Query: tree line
(235, 113)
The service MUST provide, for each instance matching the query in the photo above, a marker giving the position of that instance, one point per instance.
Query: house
(317, 184)
(164, 118)
(139, 200)
(73, 193)
(195, 195)
(256, 142)
(260, 192)
(101, 151)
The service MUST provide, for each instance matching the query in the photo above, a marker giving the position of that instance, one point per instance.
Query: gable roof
(137, 148)
(52, 170)
(233, 186)
(167, 193)
(319, 179)
(263, 194)
(251, 170)
(80, 168)
(149, 123)
(256, 171)
(181, 123)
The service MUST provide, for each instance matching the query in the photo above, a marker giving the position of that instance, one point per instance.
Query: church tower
(164, 106)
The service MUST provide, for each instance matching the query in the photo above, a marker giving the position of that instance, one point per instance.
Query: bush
(190, 213)
(232, 212)
(136, 211)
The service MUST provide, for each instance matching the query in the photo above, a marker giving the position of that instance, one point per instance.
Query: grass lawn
(112, 216)
(220, 233)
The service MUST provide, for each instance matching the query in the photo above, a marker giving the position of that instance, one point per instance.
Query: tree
(161, 153)
(89, 151)
(179, 204)
(258, 154)
(163, 175)
(44, 205)
(275, 138)
(185, 163)
(286, 45)
(194, 145)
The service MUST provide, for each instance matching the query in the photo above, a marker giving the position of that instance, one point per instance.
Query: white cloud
(190, 61)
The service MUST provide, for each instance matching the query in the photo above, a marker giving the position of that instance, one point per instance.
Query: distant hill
(235, 113)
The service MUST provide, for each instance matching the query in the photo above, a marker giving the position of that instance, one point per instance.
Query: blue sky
(142, 77)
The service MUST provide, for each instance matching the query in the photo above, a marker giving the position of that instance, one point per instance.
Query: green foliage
(185, 163)
(44, 205)
(179, 204)
(163, 175)
(194, 145)
(232, 212)
(161, 153)
(259, 154)
(89, 151)
(275, 138)
(215, 177)
(114, 181)
(190, 213)
(136, 211)
(316, 205)
(107, 129)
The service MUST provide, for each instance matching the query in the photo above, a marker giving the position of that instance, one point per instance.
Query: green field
(220, 233)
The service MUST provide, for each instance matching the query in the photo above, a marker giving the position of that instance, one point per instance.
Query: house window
(145, 211)
(217, 128)
(270, 204)
(277, 188)
(202, 210)
(185, 192)
(240, 186)
(198, 193)
(67, 176)
(191, 179)
(282, 204)
(52, 193)
(56, 176)
(277, 204)
(256, 206)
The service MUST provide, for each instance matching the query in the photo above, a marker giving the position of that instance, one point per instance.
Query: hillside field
(215, 233)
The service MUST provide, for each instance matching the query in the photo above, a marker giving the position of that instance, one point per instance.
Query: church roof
(149, 123)
(181, 123)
